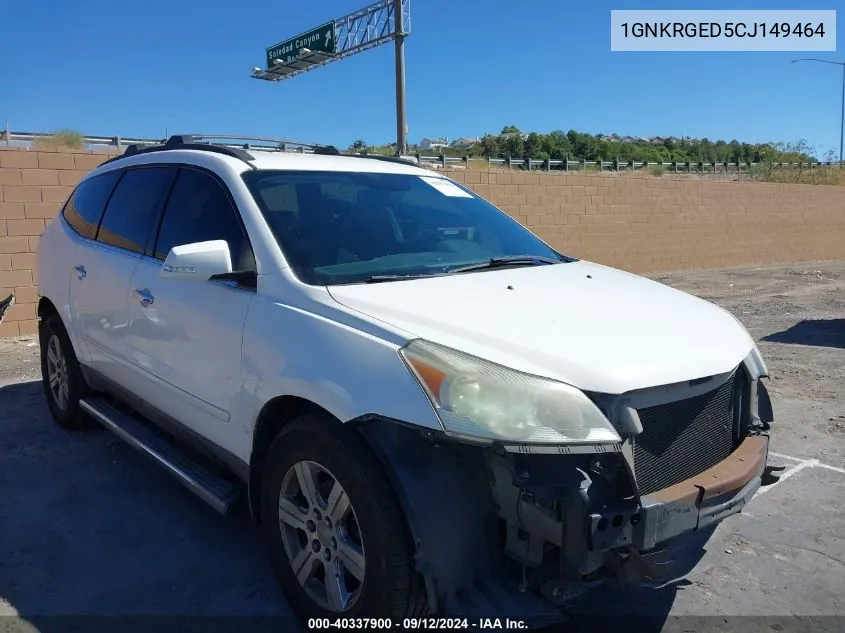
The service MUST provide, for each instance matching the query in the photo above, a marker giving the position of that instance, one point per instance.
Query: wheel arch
(46, 308)
(446, 522)
(274, 416)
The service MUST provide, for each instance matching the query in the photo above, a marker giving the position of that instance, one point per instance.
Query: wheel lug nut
(315, 545)
(327, 554)
(317, 514)
(334, 543)
(311, 526)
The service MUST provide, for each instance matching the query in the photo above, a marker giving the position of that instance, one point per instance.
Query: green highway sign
(321, 39)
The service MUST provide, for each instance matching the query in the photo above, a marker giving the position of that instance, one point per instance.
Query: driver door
(186, 334)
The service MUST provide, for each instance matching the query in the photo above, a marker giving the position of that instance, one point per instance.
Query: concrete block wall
(648, 224)
(33, 187)
(638, 223)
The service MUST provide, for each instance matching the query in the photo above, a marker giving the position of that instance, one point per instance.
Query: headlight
(479, 399)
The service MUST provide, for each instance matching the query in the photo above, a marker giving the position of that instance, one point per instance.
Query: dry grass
(63, 139)
(816, 176)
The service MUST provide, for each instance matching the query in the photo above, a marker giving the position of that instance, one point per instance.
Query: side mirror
(198, 261)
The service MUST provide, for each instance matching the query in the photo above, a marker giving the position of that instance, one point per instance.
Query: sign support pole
(401, 128)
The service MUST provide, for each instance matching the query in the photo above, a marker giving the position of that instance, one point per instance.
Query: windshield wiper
(375, 279)
(511, 260)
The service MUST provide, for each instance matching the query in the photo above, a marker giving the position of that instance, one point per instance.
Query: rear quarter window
(132, 208)
(85, 207)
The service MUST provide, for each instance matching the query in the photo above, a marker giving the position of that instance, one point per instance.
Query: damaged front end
(6, 305)
(506, 529)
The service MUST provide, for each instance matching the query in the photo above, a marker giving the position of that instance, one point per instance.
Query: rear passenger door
(115, 215)
(186, 334)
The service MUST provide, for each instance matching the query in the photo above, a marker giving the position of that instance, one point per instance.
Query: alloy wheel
(321, 536)
(57, 373)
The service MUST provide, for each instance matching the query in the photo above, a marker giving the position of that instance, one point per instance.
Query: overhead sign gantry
(371, 26)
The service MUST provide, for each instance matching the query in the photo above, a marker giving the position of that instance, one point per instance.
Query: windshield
(351, 227)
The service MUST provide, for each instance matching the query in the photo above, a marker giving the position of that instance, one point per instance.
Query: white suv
(428, 408)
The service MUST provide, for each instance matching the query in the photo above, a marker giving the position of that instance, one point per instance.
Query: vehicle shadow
(819, 332)
(616, 607)
(95, 537)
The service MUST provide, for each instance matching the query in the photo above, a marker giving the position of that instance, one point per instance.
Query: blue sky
(473, 66)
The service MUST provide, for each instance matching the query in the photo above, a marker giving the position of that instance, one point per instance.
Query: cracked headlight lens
(482, 400)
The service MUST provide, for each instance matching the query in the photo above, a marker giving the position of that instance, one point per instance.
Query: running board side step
(218, 492)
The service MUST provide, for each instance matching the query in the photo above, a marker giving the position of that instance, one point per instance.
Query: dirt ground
(89, 528)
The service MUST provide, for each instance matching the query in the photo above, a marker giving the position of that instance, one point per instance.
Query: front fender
(348, 371)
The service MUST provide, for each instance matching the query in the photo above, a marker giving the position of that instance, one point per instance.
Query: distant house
(433, 143)
(464, 142)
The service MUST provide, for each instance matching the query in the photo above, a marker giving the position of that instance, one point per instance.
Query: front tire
(64, 385)
(337, 537)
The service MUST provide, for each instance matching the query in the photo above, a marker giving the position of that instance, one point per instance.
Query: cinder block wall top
(638, 223)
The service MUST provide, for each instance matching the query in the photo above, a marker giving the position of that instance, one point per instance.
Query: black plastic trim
(245, 278)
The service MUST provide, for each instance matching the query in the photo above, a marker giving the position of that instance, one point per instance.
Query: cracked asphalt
(90, 528)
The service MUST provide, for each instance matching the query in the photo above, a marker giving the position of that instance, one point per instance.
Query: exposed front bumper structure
(497, 531)
(692, 504)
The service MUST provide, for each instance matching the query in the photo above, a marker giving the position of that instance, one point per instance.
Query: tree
(512, 146)
(358, 146)
(556, 144)
(531, 145)
(490, 146)
(736, 151)
(579, 146)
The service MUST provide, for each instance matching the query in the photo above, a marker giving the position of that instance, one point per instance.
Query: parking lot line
(781, 455)
(835, 469)
(788, 473)
(816, 463)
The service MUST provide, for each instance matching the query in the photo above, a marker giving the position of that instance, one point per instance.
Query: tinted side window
(133, 206)
(85, 206)
(198, 211)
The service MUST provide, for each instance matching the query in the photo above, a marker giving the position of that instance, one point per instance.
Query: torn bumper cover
(706, 498)
(508, 534)
(690, 505)
(593, 528)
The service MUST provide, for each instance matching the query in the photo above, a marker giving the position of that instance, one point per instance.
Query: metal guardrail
(120, 142)
(26, 139)
(569, 164)
(566, 164)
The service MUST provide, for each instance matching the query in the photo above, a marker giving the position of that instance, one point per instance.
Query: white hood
(593, 327)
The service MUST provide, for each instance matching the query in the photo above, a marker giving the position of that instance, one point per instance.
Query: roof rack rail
(184, 142)
(388, 159)
(256, 142)
(235, 146)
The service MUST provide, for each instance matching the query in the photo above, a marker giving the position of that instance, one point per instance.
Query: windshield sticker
(446, 187)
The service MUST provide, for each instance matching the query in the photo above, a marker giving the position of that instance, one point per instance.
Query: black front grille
(684, 438)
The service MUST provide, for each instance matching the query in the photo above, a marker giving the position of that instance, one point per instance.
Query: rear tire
(341, 528)
(64, 385)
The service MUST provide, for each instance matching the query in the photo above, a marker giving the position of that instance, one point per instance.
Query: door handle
(143, 296)
(80, 271)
